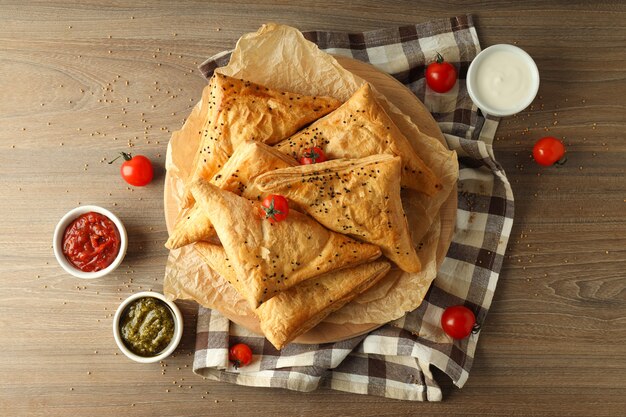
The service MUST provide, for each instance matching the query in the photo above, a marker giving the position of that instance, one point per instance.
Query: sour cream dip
(502, 80)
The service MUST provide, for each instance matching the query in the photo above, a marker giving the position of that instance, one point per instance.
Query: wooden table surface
(81, 82)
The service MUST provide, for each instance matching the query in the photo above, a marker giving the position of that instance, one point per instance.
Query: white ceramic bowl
(178, 328)
(57, 242)
(532, 72)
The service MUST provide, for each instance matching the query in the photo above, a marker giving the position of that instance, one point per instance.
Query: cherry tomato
(313, 156)
(440, 75)
(274, 208)
(240, 355)
(136, 170)
(549, 150)
(458, 322)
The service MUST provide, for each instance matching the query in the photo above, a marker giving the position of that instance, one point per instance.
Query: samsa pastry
(358, 197)
(359, 128)
(240, 110)
(272, 257)
(300, 308)
(250, 160)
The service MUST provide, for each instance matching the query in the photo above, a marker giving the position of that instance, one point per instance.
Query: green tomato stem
(561, 161)
(271, 211)
(127, 157)
(313, 155)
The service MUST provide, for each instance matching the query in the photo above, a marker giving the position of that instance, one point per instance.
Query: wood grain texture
(81, 81)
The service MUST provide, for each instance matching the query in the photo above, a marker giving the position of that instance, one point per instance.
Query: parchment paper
(279, 57)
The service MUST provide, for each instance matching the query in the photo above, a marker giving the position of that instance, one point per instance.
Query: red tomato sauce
(91, 242)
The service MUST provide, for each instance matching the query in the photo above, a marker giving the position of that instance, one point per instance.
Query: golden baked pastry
(359, 128)
(240, 110)
(300, 308)
(272, 257)
(358, 197)
(249, 160)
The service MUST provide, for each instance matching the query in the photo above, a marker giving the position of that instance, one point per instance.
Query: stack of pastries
(346, 226)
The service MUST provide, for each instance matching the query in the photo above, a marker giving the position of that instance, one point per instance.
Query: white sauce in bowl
(502, 80)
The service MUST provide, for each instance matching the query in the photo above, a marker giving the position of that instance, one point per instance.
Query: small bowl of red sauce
(90, 242)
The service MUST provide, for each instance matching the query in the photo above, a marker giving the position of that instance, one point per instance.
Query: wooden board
(410, 105)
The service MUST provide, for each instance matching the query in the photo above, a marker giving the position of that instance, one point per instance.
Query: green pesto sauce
(147, 326)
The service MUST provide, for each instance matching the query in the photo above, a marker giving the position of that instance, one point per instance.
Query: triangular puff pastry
(272, 257)
(359, 128)
(359, 197)
(300, 308)
(250, 160)
(303, 306)
(241, 110)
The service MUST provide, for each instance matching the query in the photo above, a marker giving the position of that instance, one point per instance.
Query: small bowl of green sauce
(147, 327)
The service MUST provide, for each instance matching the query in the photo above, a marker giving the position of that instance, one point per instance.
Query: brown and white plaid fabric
(395, 360)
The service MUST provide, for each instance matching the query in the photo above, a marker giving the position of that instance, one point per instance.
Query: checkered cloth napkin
(394, 361)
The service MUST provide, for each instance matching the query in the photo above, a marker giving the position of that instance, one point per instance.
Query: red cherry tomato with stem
(440, 75)
(458, 322)
(274, 208)
(240, 355)
(313, 156)
(136, 170)
(548, 151)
